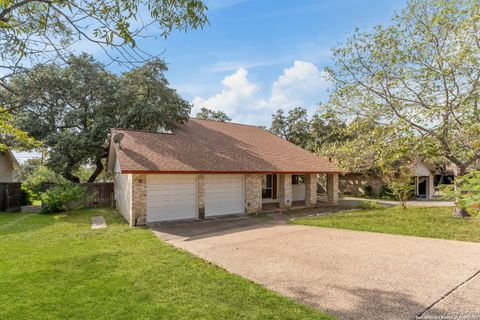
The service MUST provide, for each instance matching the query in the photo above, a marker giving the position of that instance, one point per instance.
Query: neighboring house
(206, 168)
(8, 164)
(427, 178)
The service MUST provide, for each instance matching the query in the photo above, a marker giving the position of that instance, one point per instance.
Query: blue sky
(260, 55)
(256, 56)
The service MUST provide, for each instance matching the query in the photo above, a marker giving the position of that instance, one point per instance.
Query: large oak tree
(71, 108)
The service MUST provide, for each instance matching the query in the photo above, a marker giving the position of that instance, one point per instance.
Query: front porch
(282, 192)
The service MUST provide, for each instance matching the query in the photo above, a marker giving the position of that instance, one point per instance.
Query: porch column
(253, 193)
(311, 190)
(431, 187)
(139, 200)
(332, 188)
(285, 191)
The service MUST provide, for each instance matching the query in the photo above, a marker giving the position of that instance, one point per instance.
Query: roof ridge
(138, 130)
(228, 122)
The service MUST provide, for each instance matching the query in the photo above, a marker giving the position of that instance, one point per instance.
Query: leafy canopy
(414, 84)
(208, 114)
(71, 108)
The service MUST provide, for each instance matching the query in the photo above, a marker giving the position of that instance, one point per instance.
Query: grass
(56, 267)
(431, 222)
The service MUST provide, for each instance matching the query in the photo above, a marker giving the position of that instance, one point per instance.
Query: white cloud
(301, 85)
(297, 86)
(237, 89)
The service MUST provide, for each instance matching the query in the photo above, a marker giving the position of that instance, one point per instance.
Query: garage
(171, 197)
(223, 194)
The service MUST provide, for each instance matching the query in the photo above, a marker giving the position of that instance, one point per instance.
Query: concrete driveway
(352, 275)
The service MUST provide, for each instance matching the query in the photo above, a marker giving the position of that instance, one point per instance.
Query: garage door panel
(223, 194)
(171, 197)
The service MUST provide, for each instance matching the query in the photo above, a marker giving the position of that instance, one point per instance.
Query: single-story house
(426, 178)
(205, 168)
(8, 165)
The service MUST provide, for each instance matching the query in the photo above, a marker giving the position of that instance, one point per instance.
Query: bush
(63, 198)
(26, 197)
(467, 193)
(368, 191)
(42, 174)
(386, 193)
(368, 205)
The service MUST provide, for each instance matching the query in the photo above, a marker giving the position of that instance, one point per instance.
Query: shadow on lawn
(366, 303)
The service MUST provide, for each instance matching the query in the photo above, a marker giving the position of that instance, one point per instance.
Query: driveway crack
(421, 314)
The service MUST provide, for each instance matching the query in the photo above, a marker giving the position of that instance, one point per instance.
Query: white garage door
(171, 197)
(223, 194)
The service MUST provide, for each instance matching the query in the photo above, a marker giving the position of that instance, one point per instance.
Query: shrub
(467, 192)
(42, 174)
(386, 193)
(368, 205)
(26, 197)
(368, 191)
(63, 198)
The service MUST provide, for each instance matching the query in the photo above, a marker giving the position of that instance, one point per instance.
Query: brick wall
(253, 193)
(139, 199)
(311, 190)
(285, 192)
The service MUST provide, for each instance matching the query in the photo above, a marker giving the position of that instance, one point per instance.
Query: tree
(327, 132)
(72, 108)
(208, 114)
(418, 79)
(293, 128)
(35, 31)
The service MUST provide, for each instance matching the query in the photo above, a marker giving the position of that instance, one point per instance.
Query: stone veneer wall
(285, 192)
(352, 183)
(253, 193)
(311, 190)
(332, 188)
(139, 200)
(201, 196)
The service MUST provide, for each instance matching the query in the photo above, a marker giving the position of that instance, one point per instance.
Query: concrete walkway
(352, 275)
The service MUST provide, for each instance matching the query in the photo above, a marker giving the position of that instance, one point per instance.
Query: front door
(422, 187)
(269, 188)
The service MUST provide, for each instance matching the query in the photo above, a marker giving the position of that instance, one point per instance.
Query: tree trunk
(98, 170)
(69, 176)
(67, 173)
(458, 211)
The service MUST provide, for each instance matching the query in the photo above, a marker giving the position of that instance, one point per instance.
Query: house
(8, 164)
(426, 178)
(205, 168)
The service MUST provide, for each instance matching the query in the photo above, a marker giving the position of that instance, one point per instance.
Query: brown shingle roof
(210, 146)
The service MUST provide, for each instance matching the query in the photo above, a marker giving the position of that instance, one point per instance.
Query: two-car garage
(176, 196)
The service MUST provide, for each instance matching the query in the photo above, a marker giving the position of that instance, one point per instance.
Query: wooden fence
(10, 196)
(99, 194)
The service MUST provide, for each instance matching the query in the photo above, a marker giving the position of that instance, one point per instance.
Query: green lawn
(55, 267)
(432, 222)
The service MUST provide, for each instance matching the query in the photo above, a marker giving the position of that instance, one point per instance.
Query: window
(298, 178)
(267, 186)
